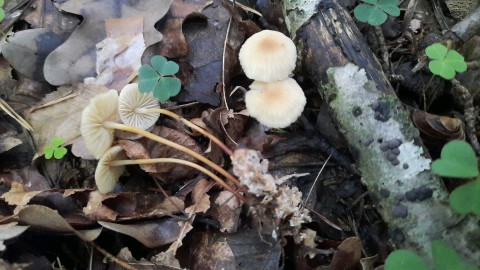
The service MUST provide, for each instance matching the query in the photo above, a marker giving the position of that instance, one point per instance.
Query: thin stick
(5, 107)
(194, 127)
(113, 258)
(177, 146)
(223, 61)
(177, 161)
(316, 178)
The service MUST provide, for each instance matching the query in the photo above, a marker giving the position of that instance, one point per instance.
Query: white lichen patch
(298, 12)
(412, 155)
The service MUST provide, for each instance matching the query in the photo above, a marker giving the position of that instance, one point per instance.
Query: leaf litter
(158, 205)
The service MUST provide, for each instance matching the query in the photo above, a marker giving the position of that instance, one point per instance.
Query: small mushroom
(134, 107)
(268, 56)
(277, 104)
(142, 110)
(102, 108)
(112, 164)
(98, 124)
(106, 176)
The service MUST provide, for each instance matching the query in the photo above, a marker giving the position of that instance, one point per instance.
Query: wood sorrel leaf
(457, 160)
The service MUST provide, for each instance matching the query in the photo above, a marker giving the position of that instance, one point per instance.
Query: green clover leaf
(376, 12)
(456, 160)
(403, 259)
(157, 78)
(446, 258)
(445, 63)
(2, 12)
(465, 199)
(55, 149)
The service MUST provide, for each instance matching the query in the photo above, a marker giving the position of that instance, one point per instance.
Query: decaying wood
(379, 131)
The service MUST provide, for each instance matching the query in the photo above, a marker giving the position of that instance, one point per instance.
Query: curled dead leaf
(438, 129)
(150, 234)
(48, 219)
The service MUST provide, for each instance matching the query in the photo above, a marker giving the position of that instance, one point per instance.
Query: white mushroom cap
(102, 108)
(276, 104)
(268, 56)
(106, 176)
(133, 107)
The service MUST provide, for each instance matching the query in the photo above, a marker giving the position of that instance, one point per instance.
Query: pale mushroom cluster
(274, 99)
(138, 112)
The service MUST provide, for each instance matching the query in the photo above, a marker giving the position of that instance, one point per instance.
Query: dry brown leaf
(136, 150)
(18, 195)
(96, 210)
(43, 14)
(438, 129)
(200, 198)
(347, 256)
(27, 50)
(226, 210)
(75, 59)
(218, 254)
(173, 44)
(48, 219)
(172, 172)
(119, 54)
(62, 119)
(150, 234)
(28, 93)
(9, 136)
(7, 83)
(166, 258)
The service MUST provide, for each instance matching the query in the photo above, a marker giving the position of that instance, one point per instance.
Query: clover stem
(177, 161)
(190, 125)
(177, 146)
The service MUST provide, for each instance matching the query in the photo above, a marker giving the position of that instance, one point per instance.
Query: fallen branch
(378, 130)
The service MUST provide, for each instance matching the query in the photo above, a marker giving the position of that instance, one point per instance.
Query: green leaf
(456, 61)
(148, 78)
(169, 68)
(403, 259)
(465, 199)
(153, 78)
(158, 62)
(173, 85)
(160, 92)
(445, 257)
(456, 160)
(436, 51)
(56, 142)
(372, 2)
(59, 152)
(48, 152)
(445, 62)
(2, 14)
(390, 7)
(442, 69)
(370, 14)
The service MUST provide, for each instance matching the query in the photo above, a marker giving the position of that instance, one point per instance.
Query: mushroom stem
(190, 125)
(179, 147)
(177, 161)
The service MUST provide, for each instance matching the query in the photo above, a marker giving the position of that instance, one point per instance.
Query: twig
(113, 258)
(469, 112)
(316, 179)
(224, 93)
(383, 47)
(7, 109)
(53, 102)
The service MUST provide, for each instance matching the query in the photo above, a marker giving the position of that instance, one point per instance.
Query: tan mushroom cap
(277, 104)
(268, 56)
(102, 108)
(106, 176)
(133, 107)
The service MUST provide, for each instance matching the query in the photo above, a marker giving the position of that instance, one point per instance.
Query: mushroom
(98, 125)
(268, 56)
(112, 164)
(142, 111)
(276, 104)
